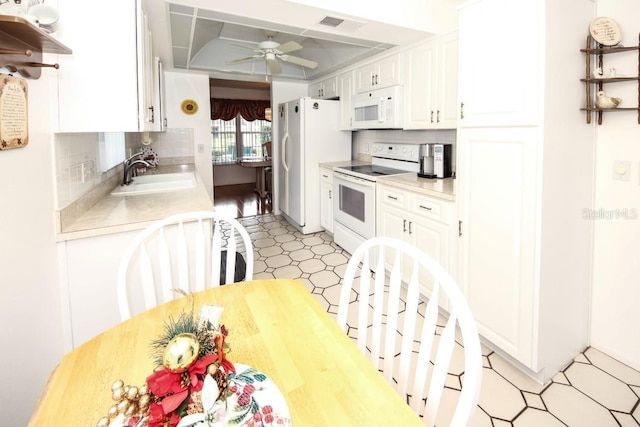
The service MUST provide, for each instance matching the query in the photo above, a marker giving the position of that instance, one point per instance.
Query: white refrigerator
(308, 134)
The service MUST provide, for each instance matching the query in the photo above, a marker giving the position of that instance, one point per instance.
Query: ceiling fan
(272, 51)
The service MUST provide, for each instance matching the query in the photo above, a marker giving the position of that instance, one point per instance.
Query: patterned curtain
(227, 109)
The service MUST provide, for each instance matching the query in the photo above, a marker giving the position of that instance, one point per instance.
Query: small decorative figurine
(597, 73)
(604, 101)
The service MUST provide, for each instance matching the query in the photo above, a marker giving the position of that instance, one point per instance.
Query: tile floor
(594, 390)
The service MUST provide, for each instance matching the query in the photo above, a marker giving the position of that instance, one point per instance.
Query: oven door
(354, 204)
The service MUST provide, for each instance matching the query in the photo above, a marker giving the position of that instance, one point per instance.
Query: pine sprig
(185, 324)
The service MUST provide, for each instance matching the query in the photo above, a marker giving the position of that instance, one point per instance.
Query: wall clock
(189, 106)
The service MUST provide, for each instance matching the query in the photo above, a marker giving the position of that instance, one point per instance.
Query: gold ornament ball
(113, 411)
(144, 400)
(212, 369)
(122, 406)
(103, 422)
(132, 393)
(130, 410)
(117, 394)
(117, 384)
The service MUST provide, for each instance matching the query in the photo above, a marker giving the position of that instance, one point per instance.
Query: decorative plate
(149, 155)
(605, 31)
(189, 106)
(254, 401)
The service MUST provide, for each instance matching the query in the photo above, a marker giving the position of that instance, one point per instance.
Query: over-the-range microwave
(378, 109)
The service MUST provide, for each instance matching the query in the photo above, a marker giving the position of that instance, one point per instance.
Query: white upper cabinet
(325, 89)
(382, 73)
(107, 83)
(499, 65)
(345, 85)
(431, 83)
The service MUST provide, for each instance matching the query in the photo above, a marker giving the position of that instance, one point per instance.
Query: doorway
(240, 130)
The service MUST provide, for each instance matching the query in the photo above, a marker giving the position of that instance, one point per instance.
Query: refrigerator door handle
(283, 153)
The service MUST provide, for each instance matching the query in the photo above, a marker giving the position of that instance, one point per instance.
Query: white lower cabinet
(426, 222)
(89, 269)
(498, 242)
(326, 199)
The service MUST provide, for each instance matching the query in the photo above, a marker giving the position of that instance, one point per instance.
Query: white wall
(178, 87)
(30, 315)
(615, 318)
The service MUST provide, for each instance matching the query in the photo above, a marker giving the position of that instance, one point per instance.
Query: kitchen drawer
(393, 197)
(326, 175)
(428, 207)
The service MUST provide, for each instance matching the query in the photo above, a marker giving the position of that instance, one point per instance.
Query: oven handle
(353, 179)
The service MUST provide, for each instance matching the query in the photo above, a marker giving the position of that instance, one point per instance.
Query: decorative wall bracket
(22, 44)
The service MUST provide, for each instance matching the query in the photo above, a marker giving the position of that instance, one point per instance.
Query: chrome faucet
(127, 167)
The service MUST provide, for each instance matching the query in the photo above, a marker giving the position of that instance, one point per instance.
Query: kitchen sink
(147, 184)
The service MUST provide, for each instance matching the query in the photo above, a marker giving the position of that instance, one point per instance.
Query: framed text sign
(14, 132)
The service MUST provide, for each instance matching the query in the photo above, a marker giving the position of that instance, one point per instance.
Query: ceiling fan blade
(289, 46)
(299, 61)
(245, 46)
(274, 66)
(246, 58)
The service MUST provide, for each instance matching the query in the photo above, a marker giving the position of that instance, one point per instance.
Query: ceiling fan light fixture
(331, 21)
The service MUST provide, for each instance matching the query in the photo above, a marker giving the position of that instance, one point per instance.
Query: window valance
(227, 109)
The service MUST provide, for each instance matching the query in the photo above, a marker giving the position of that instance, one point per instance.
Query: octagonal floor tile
(312, 266)
(287, 272)
(500, 398)
(576, 409)
(602, 387)
(335, 259)
(292, 246)
(270, 251)
(263, 243)
(301, 255)
(278, 261)
(324, 279)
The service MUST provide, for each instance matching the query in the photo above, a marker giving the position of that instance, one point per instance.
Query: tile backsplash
(77, 157)
(364, 139)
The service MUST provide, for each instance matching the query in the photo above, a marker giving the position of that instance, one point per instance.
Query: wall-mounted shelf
(22, 44)
(598, 50)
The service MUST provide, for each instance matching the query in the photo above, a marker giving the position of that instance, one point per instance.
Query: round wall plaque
(189, 106)
(605, 31)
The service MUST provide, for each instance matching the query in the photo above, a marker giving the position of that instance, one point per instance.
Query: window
(230, 137)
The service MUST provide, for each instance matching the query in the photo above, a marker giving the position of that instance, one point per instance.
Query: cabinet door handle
(330, 196)
(392, 198)
(373, 81)
(325, 176)
(376, 79)
(431, 116)
(153, 119)
(459, 228)
(438, 116)
(462, 110)
(425, 207)
(410, 227)
(404, 225)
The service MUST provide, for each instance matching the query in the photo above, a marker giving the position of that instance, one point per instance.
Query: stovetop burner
(373, 170)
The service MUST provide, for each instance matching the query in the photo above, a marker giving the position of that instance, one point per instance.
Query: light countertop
(440, 188)
(114, 214)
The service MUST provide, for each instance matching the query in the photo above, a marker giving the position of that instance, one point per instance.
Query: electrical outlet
(621, 170)
(200, 148)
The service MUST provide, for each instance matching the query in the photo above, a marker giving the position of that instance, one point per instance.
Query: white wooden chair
(390, 333)
(180, 254)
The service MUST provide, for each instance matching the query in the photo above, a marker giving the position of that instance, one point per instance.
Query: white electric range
(354, 189)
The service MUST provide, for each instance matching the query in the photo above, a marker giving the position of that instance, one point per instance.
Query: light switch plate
(621, 170)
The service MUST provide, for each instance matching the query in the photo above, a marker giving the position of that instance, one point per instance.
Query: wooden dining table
(275, 326)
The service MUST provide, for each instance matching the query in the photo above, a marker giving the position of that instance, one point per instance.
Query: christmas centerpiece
(194, 384)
